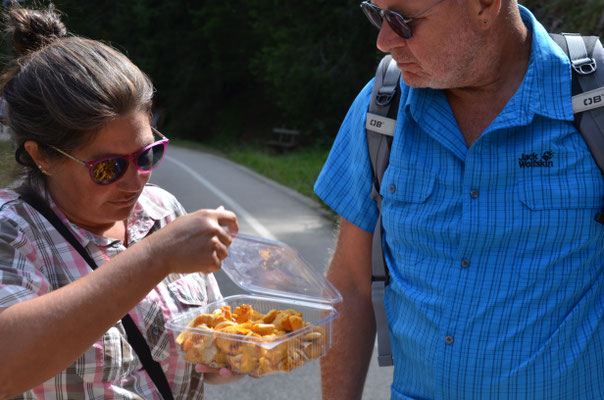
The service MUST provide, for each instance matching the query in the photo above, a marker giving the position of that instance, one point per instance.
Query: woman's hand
(195, 242)
(217, 376)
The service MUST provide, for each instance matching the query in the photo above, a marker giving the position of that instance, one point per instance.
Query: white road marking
(229, 203)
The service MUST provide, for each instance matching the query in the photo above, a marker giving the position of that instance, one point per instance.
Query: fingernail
(225, 372)
(200, 368)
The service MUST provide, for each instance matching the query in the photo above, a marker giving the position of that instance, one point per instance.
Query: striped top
(35, 259)
(496, 262)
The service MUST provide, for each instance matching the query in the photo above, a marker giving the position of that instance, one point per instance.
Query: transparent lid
(268, 267)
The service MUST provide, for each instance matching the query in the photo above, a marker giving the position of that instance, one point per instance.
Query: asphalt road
(266, 209)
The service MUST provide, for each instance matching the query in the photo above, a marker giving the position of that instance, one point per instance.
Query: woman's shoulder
(10, 204)
(8, 195)
(16, 214)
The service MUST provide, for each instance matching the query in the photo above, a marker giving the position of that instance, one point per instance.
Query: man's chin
(418, 82)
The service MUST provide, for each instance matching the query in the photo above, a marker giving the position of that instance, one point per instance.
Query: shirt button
(155, 331)
(474, 194)
(465, 263)
(449, 340)
(392, 188)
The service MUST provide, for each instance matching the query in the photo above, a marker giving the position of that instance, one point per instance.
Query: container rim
(179, 323)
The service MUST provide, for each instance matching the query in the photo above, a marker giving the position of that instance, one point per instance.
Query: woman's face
(90, 205)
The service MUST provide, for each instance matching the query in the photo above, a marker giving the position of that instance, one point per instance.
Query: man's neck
(477, 104)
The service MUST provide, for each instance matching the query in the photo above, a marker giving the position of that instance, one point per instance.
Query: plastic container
(276, 278)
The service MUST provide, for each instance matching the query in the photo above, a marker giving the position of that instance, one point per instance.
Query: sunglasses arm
(69, 156)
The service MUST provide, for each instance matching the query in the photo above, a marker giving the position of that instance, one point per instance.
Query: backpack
(585, 54)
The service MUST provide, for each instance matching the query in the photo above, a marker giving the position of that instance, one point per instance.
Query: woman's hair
(61, 89)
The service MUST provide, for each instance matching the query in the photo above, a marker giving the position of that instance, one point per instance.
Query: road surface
(267, 209)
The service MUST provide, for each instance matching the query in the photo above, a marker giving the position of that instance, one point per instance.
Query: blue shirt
(497, 288)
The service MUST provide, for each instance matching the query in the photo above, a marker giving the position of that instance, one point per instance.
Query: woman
(78, 112)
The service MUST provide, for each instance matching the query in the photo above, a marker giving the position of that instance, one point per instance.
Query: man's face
(443, 51)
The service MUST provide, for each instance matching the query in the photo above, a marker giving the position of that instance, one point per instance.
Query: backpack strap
(380, 124)
(586, 54)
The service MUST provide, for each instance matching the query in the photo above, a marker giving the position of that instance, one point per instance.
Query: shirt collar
(146, 212)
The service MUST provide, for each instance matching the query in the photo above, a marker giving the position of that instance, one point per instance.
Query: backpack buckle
(584, 66)
(383, 99)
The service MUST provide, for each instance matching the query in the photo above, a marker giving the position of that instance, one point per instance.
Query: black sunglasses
(398, 23)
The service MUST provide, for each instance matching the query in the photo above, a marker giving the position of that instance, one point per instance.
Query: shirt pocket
(570, 201)
(188, 291)
(541, 193)
(407, 185)
(405, 197)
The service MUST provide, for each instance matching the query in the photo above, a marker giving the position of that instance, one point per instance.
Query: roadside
(296, 168)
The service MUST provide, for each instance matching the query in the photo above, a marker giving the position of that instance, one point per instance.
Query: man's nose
(387, 39)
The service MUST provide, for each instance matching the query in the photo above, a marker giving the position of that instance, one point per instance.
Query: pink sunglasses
(107, 170)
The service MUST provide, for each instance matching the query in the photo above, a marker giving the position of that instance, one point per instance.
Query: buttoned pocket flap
(561, 192)
(189, 290)
(407, 185)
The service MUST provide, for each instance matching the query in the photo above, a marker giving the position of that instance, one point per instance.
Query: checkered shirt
(35, 259)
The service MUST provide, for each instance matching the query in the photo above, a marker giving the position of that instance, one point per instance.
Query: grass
(8, 166)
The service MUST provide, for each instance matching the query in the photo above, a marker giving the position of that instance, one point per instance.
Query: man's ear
(33, 149)
(486, 11)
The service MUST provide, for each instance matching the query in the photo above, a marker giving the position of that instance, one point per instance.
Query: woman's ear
(33, 149)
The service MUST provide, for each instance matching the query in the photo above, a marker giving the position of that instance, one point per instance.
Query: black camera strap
(135, 337)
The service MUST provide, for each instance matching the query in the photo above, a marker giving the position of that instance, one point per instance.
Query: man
(496, 263)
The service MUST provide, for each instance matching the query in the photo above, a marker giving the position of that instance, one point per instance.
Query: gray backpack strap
(381, 120)
(586, 55)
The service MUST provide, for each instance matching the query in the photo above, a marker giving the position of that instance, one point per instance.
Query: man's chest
(511, 182)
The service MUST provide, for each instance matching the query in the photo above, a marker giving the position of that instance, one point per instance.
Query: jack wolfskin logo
(533, 161)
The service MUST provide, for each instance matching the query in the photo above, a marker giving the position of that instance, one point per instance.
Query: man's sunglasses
(398, 23)
(107, 170)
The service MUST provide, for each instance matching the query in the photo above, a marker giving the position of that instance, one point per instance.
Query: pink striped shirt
(35, 259)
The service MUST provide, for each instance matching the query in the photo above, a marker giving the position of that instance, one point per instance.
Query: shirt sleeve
(20, 279)
(344, 183)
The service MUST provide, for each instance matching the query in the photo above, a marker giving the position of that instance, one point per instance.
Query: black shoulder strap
(135, 337)
(586, 55)
(380, 124)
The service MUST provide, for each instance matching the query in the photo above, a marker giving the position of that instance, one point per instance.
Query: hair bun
(33, 29)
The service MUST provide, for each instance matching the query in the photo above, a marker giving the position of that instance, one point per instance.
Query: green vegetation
(8, 165)
(229, 72)
(297, 169)
(233, 70)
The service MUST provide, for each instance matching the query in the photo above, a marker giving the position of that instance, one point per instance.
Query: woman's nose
(133, 179)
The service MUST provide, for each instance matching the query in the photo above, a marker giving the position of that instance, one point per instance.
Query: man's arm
(344, 368)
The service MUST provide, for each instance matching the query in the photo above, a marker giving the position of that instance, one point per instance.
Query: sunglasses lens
(107, 171)
(373, 14)
(149, 159)
(398, 25)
